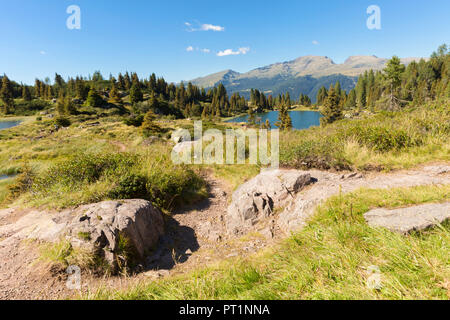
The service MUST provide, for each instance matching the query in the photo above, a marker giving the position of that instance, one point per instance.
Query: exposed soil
(195, 236)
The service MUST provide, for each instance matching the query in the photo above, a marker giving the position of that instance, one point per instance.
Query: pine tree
(94, 99)
(59, 81)
(49, 94)
(114, 96)
(127, 81)
(136, 94)
(350, 103)
(393, 73)
(337, 88)
(205, 112)
(69, 106)
(251, 116)
(121, 82)
(37, 88)
(149, 127)
(152, 82)
(6, 94)
(81, 91)
(135, 79)
(60, 104)
(43, 91)
(361, 93)
(287, 100)
(321, 95)
(26, 93)
(284, 119)
(153, 102)
(287, 121)
(331, 110)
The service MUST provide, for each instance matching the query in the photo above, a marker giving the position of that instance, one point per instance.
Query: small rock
(233, 254)
(406, 220)
(157, 274)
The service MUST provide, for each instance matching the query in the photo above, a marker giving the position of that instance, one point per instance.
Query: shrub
(387, 135)
(169, 187)
(101, 176)
(382, 139)
(28, 108)
(22, 184)
(149, 126)
(131, 186)
(85, 169)
(134, 120)
(62, 122)
(324, 152)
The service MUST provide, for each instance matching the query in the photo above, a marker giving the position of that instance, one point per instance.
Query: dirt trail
(21, 274)
(195, 236)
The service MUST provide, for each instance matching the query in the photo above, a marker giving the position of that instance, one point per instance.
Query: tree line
(140, 95)
(391, 89)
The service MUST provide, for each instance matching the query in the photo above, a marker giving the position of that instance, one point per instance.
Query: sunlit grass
(329, 259)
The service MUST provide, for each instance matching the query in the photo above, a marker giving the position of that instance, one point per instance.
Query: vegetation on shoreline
(78, 165)
(329, 259)
(388, 140)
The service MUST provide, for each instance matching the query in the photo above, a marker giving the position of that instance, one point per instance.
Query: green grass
(4, 188)
(62, 254)
(235, 175)
(329, 259)
(384, 141)
(84, 164)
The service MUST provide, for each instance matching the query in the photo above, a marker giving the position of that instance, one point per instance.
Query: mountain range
(303, 75)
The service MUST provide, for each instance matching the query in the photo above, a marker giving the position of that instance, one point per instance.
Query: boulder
(258, 198)
(406, 220)
(102, 228)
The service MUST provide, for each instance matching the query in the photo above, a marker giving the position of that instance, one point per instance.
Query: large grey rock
(410, 219)
(96, 227)
(257, 199)
(99, 227)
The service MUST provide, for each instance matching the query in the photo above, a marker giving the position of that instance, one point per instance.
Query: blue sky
(154, 36)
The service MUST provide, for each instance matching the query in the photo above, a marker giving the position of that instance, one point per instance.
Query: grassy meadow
(94, 158)
(331, 258)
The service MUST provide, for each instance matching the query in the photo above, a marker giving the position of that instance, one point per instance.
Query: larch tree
(331, 110)
(26, 95)
(7, 96)
(393, 73)
(136, 94)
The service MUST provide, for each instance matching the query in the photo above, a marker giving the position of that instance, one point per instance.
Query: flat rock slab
(406, 220)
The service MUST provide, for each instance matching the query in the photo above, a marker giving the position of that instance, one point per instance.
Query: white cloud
(191, 48)
(206, 27)
(315, 42)
(203, 27)
(43, 52)
(229, 52)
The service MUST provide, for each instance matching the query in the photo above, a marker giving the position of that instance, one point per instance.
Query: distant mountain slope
(302, 75)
